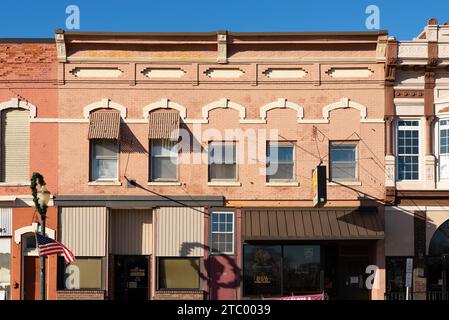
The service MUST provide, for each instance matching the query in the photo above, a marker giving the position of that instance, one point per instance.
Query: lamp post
(41, 199)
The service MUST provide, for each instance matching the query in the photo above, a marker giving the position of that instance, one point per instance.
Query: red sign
(311, 297)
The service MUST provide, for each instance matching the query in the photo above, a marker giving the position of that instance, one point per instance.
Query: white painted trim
(104, 103)
(163, 183)
(225, 104)
(224, 184)
(15, 103)
(31, 228)
(282, 184)
(282, 103)
(104, 183)
(165, 104)
(345, 103)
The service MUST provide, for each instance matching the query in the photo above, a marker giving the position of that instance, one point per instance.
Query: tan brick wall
(80, 295)
(179, 295)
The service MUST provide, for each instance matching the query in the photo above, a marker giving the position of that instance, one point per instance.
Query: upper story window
(222, 232)
(280, 162)
(343, 161)
(164, 160)
(15, 149)
(104, 164)
(222, 161)
(444, 149)
(408, 149)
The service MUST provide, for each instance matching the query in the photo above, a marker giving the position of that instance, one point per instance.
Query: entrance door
(31, 274)
(131, 278)
(225, 277)
(352, 278)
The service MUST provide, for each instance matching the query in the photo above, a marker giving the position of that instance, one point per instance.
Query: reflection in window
(343, 161)
(104, 160)
(408, 150)
(280, 162)
(301, 269)
(262, 270)
(396, 272)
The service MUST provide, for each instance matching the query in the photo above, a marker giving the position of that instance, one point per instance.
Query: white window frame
(420, 137)
(234, 143)
(221, 232)
(278, 144)
(339, 143)
(438, 146)
(162, 156)
(93, 158)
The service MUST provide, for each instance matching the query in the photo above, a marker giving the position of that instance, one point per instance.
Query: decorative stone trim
(225, 104)
(409, 93)
(106, 104)
(344, 103)
(282, 103)
(32, 228)
(16, 103)
(165, 104)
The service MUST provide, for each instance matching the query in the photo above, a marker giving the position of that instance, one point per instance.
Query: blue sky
(39, 18)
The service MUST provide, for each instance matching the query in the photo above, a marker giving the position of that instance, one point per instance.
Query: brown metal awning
(311, 224)
(164, 125)
(104, 125)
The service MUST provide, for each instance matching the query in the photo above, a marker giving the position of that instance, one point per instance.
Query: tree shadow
(214, 267)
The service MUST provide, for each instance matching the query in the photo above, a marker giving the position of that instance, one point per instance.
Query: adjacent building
(28, 143)
(416, 113)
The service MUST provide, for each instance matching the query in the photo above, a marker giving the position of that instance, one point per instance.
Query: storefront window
(396, 272)
(5, 259)
(301, 269)
(271, 271)
(179, 273)
(262, 270)
(83, 273)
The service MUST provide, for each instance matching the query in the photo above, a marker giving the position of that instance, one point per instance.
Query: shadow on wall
(215, 266)
(129, 142)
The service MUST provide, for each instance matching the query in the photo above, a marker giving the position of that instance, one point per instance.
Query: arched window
(15, 148)
(439, 245)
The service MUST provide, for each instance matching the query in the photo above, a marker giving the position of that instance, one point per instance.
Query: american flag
(49, 246)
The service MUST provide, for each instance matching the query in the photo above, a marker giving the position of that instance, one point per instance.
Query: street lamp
(41, 199)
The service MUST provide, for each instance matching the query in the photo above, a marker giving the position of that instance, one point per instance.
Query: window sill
(104, 183)
(224, 184)
(344, 183)
(15, 184)
(282, 184)
(164, 183)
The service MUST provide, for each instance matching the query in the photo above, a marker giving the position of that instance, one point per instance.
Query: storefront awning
(104, 125)
(312, 224)
(164, 125)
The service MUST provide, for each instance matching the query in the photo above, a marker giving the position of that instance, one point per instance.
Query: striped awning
(104, 124)
(312, 224)
(164, 125)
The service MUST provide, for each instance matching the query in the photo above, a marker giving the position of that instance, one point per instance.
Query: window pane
(90, 270)
(105, 169)
(164, 169)
(262, 271)
(220, 152)
(223, 172)
(105, 148)
(222, 240)
(164, 147)
(343, 162)
(5, 258)
(280, 153)
(281, 171)
(444, 166)
(301, 269)
(176, 273)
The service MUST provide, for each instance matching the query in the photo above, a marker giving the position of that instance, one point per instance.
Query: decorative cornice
(409, 93)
